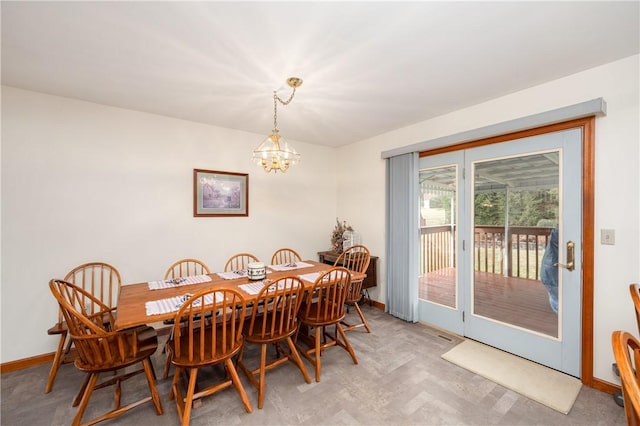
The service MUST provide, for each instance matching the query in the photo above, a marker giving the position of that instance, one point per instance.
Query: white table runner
(254, 288)
(312, 277)
(232, 275)
(290, 266)
(172, 304)
(176, 282)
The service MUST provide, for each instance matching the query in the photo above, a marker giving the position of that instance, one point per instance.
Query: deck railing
(523, 260)
(437, 248)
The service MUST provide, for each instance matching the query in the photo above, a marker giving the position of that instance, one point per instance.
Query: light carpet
(547, 386)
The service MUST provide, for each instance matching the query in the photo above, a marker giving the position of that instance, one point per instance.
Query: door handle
(570, 256)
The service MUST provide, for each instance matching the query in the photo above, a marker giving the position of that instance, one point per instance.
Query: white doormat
(547, 386)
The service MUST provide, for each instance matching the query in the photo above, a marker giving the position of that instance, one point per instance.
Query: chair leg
(238, 385)
(153, 371)
(57, 362)
(88, 390)
(240, 359)
(318, 332)
(174, 383)
(168, 359)
(188, 401)
(67, 349)
(241, 365)
(82, 390)
(298, 361)
(346, 343)
(364, 321)
(261, 379)
(151, 381)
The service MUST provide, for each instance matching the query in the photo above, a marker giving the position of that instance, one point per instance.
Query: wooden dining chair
(634, 289)
(274, 321)
(626, 350)
(181, 268)
(355, 258)
(323, 306)
(102, 349)
(239, 262)
(196, 345)
(285, 256)
(98, 279)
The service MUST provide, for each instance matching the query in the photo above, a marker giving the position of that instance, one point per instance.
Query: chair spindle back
(276, 308)
(186, 268)
(98, 279)
(239, 262)
(355, 258)
(328, 297)
(221, 337)
(285, 256)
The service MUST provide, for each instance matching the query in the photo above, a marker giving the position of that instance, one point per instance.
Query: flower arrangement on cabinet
(337, 236)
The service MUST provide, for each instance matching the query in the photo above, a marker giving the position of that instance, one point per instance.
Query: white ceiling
(368, 67)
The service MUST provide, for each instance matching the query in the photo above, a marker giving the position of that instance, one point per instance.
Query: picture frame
(217, 193)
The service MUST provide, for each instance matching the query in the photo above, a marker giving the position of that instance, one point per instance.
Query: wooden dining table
(132, 311)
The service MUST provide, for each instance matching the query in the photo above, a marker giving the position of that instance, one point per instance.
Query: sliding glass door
(500, 246)
(441, 193)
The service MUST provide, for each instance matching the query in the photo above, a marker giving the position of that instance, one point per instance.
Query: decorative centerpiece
(337, 236)
(256, 271)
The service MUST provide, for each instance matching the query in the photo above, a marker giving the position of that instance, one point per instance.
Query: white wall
(85, 182)
(617, 175)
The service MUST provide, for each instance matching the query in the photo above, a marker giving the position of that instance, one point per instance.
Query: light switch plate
(607, 236)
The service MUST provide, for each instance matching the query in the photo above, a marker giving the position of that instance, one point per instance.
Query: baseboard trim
(377, 304)
(603, 386)
(371, 302)
(20, 364)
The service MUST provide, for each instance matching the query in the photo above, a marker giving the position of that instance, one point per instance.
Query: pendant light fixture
(274, 153)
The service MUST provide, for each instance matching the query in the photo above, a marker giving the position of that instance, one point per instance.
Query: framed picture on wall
(218, 193)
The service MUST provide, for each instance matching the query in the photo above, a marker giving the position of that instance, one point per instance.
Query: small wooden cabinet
(329, 257)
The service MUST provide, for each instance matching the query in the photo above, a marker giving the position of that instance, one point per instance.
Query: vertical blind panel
(402, 236)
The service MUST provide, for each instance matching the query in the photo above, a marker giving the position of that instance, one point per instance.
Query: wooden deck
(518, 301)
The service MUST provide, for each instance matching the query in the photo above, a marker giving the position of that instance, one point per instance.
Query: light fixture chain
(275, 111)
(277, 99)
(288, 100)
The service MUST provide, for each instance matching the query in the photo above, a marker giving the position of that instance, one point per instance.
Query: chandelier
(274, 153)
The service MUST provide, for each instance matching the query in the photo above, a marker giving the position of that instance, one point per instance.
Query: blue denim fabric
(549, 269)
